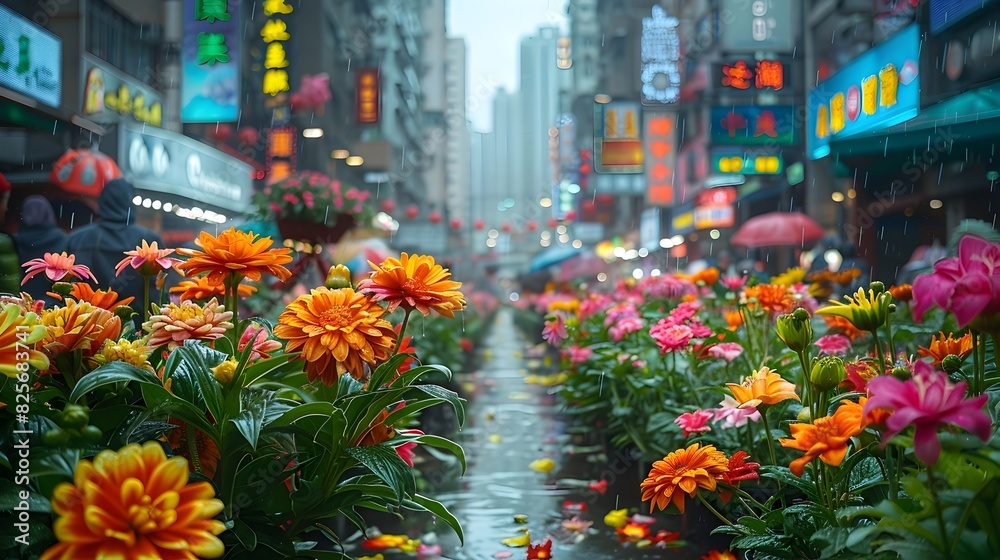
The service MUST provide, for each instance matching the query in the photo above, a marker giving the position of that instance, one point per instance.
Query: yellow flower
(570, 305)
(225, 371)
(790, 277)
(762, 387)
(616, 518)
(19, 331)
(545, 465)
(865, 311)
(135, 504)
(135, 353)
(518, 542)
(414, 282)
(78, 326)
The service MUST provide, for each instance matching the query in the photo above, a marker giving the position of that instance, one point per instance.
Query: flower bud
(225, 371)
(338, 277)
(951, 363)
(124, 312)
(62, 288)
(805, 415)
(74, 416)
(795, 333)
(902, 373)
(877, 287)
(827, 372)
(801, 314)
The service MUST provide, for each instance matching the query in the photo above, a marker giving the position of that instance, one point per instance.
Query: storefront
(182, 186)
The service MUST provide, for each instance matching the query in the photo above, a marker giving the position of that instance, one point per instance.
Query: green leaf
(244, 534)
(386, 371)
(159, 400)
(250, 420)
(423, 503)
(190, 366)
(9, 498)
(108, 374)
(831, 540)
(912, 549)
(783, 474)
(386, 464)
(435, 441)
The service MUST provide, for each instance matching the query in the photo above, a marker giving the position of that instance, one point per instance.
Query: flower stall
(200, 431)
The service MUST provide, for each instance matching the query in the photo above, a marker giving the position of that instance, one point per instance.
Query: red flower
(739, 470)
(466, 345)
(570, 505)
(599, 487)
(541, 551)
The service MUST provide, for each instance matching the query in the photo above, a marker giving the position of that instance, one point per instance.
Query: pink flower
(593, 304)
(833, 344)
(428, 551)
(405, 450)
(307, 197)
(147, 259)
(618, 312)
(695, 422)
(290, 198)
(57, 267)
(698, 330)
(728, 351)
(733, 283)
(625, 326)
(967, 285)
(671, 338)
(257, 337)
(639, 363)
(267, 190)
(578, 355)
(555, 330)
(926, 401)
(600, 487)
(275, 207)
(684, 312)
(356, 209)
(734, 416)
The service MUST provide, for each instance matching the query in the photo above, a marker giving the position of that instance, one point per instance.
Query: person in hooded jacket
(101, 245)
(38, 235)
(10, 267)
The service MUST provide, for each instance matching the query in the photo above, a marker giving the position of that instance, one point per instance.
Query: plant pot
(312, 232)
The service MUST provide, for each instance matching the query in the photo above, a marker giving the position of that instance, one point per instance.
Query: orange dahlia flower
(135, 504)
(207, 452)
(202, 287)
(734, 319)
(719, 555)
(902, 292)
(85, 293)
(847, 328)
(338, 331)
(685, 469)
(17, 331)
(943, 345)
(825, 438)
(57, 267)
(764, 386)
(709, 276)
(147, 259)
(414, 282)
(773, 298)
(78, 326)
(172, 324)
(235, 252)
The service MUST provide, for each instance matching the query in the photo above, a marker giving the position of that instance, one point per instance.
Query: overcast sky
(492, 30)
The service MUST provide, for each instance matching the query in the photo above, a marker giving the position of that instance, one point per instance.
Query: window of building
(122, 42)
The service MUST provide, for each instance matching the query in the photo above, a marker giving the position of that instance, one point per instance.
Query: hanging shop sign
(758, 25)
(660, 51)
(158, 160)
(746, 162)
(30, 59)
(946, 13)
(210, 61)
(661, 157)
(110, 95)
(751, 75)
(275, 35)
(753, 125)
(962, 59)
(714, 208)
(281, 152)
(682, 220)
(875, 91)
(369, 96)
(617, 138)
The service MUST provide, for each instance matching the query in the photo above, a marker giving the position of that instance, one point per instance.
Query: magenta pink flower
(684, 312)
(926, 401)
(257, 337)
(405, 450)
(425, 551)
(555, 330)
(671, 338)
(290, 198)
(275, 207)
(967, 285)
(733, 283)
(578, 355)
(57, 267)
(625, 326)
(695, 422)
(618, 312)
(734, 416)
(833, 344)
(698, 330)
(593, 304)
(728, 351)
(307, 197)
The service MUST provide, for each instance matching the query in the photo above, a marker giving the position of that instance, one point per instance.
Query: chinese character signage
(735, 161)
(280, 153)
(617, 142)
(661, 158)
(109, 95)
(753, 125)
(714, 208)
(275, 35)
(660, 49)
(369, 96)
(682, 219)
(759, 25)
(30, 59)
(875, 91)
(210, 55)
(750, 75)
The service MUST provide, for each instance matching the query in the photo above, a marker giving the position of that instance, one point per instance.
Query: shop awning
(964, 116)
(23, 111)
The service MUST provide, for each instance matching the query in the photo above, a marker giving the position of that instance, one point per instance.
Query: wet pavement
(511, 424)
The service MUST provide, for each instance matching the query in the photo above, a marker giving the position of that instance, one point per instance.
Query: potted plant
(311, 207)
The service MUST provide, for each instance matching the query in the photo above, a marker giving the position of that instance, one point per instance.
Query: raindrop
(940, 171)
(72, 218)
(600, 385)
(326, 216)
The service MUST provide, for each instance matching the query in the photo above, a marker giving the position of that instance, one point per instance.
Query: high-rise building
(456, 153)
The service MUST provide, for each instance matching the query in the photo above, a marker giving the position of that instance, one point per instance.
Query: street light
(340, 154)
(355, 161)
(312, 132)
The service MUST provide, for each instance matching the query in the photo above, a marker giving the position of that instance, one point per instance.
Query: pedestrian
(38, 235)
(10, 266)
(102, 245)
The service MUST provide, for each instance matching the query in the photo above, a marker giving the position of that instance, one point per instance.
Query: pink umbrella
(778, 229)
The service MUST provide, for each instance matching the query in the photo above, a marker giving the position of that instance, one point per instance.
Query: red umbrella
(84, 172)
(778, 229)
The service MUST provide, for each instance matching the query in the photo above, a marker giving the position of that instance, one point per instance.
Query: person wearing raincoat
(101, 245)
(38, 235)
(10, 266)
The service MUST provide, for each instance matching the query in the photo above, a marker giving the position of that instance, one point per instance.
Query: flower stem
(770, 440)
(937, 508)
(807, 393)
(878, 350)
(996, 361)
(402, 330)
(714, 511)
(145, 299)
